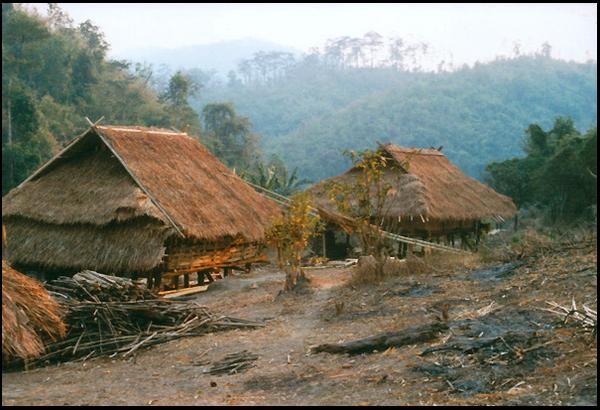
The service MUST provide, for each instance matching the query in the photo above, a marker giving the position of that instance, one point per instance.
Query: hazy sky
(470, 32)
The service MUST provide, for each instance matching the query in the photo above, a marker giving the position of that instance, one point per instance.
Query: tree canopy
(558, 173)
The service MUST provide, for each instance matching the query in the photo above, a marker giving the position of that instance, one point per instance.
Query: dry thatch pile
(29, 314)
(115, 195)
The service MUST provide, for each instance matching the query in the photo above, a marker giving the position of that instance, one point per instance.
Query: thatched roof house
(430, 196)
(122, 199)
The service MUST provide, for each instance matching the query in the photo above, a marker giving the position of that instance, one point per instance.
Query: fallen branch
(412, 335)
(585, 317)
(233, 363)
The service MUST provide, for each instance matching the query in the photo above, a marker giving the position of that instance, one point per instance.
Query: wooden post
(477, 234)
(175, 281)
(150, 280)
(348, 250)
(226, 272)
(186, 280)
(516, 222)
(4, 243)
(324, 243)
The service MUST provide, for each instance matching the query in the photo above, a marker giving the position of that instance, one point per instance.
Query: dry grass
(29, 313)
(366, 270)
(523, 243)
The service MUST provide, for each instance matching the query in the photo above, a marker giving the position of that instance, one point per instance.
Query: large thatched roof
(84, 205)
(427, 186)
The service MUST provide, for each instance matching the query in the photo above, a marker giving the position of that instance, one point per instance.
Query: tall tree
(229, 136)
(178, 92)
(556, 174)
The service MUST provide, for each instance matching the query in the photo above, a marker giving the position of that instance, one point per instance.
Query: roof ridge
(414, 150)
(149, 130)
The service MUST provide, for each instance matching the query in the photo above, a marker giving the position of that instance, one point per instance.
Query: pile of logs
(93, 286)
(233, 363)
(126, 322)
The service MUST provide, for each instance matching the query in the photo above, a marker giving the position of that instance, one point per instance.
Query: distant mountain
(479, 114)
(221, 57)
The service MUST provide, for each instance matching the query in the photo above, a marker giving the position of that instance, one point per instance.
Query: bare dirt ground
(537, 360)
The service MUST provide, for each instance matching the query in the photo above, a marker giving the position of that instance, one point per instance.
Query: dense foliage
(558, 174)
(54, 74)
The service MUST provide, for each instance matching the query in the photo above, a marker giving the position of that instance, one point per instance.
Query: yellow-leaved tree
(290, 234)
(367, 200)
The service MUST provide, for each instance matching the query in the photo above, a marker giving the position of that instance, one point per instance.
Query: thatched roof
(427, 186)
(126, 247)
(81, 206)
(29, 314)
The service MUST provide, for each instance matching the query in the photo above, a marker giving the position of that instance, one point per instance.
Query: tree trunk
(295, 280)
(381, 342)
(11, 172)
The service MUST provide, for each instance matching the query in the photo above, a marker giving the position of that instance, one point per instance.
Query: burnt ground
(501, 348)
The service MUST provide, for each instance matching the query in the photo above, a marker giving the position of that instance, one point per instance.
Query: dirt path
(557, 364)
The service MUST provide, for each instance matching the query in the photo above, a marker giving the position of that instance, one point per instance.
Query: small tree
(290, 233)
(367, 200)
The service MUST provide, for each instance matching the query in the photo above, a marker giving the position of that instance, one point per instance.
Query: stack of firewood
(96, 287)
(106, 315)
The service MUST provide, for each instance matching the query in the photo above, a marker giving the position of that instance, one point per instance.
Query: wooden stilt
(157, 280)
(348, 250)
(150, 280)
(186, 280)
(324, 243)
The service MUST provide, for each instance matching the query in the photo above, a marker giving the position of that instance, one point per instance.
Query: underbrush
(523, 243)
(366, 271)
(506, 246)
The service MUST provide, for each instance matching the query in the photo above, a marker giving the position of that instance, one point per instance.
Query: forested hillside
(316, 109)
(54, 74)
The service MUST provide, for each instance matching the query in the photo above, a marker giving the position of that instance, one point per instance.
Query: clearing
(501, 348)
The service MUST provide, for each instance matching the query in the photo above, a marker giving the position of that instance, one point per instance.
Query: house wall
(186, 256)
